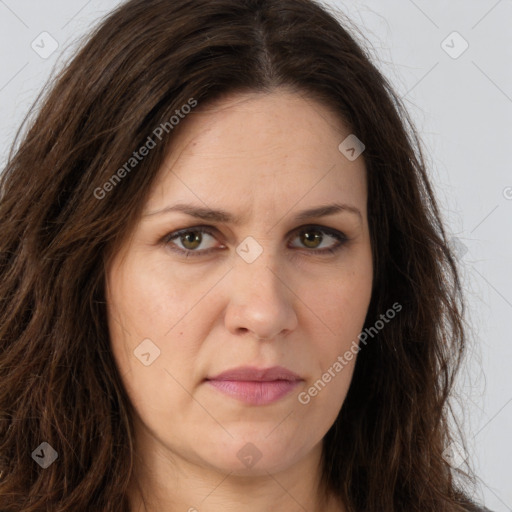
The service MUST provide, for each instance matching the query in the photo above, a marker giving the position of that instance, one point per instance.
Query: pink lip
(256, 386)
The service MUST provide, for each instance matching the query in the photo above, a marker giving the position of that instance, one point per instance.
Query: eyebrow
(223, 216)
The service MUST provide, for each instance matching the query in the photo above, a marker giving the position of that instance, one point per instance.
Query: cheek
(338, 319)
(341, 304)
(148, 300)
(155, 368)
(150, 313)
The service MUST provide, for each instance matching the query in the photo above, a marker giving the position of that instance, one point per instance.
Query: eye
(190, 239)
(187, 241)
(312, 236)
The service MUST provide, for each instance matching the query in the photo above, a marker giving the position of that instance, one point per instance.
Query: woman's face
(258, 288)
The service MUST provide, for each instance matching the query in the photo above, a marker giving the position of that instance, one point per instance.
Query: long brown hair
(63, 213)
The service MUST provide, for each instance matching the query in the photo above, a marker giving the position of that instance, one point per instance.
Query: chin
(253, 455)
(247, 467)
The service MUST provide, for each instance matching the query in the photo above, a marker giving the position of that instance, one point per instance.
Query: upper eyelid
(213, 229)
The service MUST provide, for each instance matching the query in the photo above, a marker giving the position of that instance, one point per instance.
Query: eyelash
(342, 239)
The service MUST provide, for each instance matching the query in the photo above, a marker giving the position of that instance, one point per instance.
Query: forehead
(275, 147)
(261, 124)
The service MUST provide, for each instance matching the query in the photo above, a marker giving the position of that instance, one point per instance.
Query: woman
(225, 279)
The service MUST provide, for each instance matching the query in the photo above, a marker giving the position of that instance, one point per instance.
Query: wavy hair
(140, 65)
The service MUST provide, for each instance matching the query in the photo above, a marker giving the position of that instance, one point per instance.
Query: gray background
(462, 106)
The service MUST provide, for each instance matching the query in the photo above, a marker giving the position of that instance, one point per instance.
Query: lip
(250, 373)
(256, 386)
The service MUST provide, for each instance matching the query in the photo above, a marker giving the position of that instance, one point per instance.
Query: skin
(264, 157)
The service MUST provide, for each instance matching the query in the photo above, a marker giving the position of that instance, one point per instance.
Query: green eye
(194, 238)
(311, 237)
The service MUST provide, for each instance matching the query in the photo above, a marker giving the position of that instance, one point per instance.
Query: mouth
(255, 386)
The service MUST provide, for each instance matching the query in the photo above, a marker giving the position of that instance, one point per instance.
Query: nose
(261, 300)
